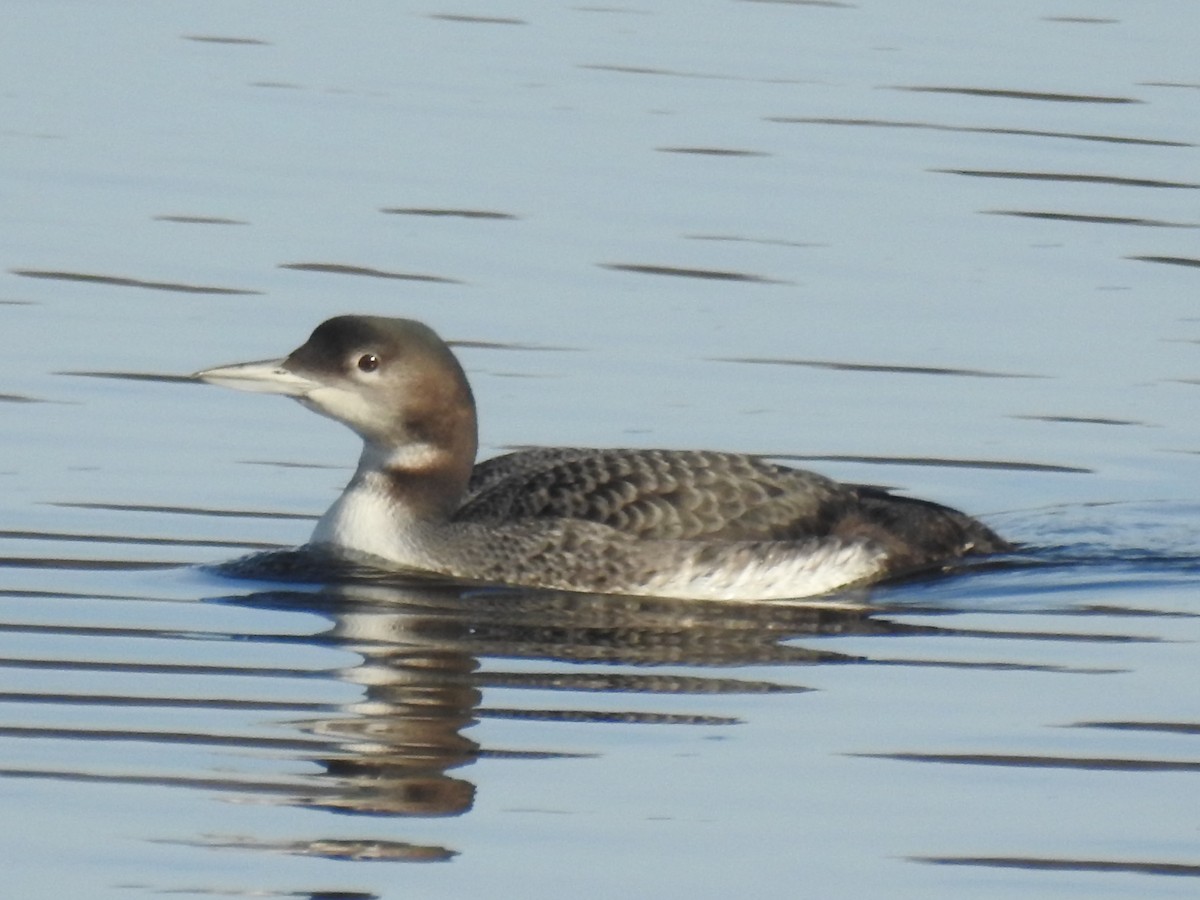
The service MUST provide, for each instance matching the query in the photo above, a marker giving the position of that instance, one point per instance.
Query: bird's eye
(368, 362)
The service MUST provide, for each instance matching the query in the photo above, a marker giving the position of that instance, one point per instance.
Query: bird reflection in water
(397, 750)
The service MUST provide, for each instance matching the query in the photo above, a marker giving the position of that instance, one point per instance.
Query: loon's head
(393, 381)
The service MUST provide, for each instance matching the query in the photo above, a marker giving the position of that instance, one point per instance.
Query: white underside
(808, 571)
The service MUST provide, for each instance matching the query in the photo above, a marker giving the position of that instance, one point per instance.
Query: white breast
(366, 520)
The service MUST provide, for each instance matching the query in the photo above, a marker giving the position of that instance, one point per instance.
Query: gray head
(393, 381)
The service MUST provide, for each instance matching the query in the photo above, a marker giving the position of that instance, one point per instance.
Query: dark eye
(368, 362)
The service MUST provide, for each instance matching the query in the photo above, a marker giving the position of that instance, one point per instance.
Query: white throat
(368, 518)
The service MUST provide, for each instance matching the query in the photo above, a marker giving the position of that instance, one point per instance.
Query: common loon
(657, 523)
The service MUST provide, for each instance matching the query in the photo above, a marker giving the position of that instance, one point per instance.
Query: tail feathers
(917, 533)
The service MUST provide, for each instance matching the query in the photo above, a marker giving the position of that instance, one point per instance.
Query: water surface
(946, 249)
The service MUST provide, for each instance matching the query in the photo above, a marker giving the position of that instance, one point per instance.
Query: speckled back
(656, 494)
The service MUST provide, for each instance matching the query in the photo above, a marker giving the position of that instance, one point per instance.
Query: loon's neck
(397, 497)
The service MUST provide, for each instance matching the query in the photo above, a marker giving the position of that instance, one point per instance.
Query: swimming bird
(658, 523)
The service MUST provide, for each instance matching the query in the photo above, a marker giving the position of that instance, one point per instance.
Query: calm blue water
(945, 248)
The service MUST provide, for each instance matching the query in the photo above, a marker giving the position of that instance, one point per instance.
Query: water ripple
(975, 129)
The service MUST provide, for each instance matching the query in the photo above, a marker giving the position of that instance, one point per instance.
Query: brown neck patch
(440, 416)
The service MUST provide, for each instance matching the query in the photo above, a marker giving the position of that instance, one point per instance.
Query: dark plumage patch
(720, 497)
